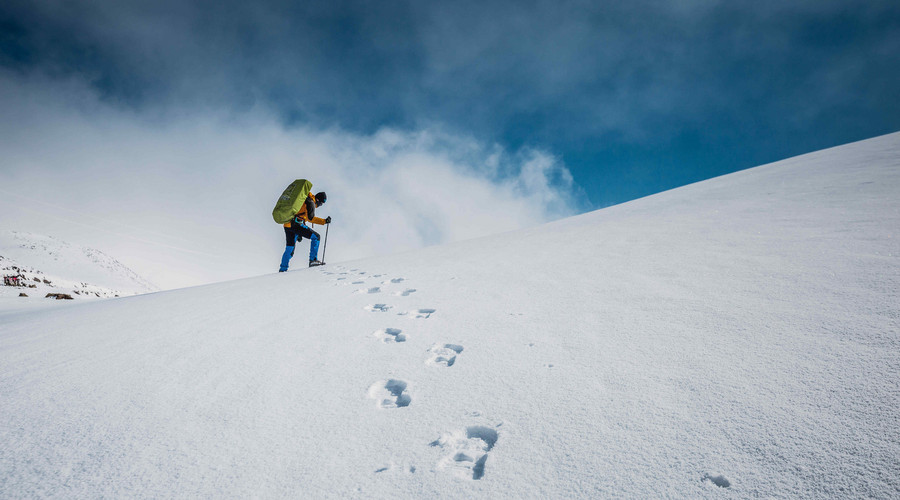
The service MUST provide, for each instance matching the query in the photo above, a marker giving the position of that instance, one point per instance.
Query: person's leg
(313, 246)
(290, 239)
(313, 238)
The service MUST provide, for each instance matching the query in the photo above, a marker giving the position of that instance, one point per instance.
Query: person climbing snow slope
(297, 229)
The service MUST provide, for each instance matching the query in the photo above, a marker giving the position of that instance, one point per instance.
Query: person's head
(321, 198)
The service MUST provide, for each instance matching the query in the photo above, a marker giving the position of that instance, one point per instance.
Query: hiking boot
(314, 263)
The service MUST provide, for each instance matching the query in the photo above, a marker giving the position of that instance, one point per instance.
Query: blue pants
(297, 232)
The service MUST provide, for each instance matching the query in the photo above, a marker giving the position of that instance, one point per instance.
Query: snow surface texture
(49, 265)
(736, 338)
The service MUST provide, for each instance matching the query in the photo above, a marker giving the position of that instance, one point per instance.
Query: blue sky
(634, 97)
(624, 99)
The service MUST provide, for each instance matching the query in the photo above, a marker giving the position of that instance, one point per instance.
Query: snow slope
(734, 338)
(49, 265)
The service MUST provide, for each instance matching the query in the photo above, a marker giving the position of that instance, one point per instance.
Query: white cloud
(186, 200)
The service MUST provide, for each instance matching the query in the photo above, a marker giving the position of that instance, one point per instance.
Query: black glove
(328, 220)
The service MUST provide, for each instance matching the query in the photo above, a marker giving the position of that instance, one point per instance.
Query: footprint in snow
(444, 354)
(390, 394)
(375, 289)
(405, 293)
(467, 451)
(388, 335)
(719, 481)
(378, 308)
(418, 313)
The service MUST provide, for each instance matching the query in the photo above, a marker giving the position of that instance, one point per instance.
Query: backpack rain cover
(291, 201)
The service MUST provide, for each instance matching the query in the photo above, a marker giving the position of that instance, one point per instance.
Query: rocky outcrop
(59, 296)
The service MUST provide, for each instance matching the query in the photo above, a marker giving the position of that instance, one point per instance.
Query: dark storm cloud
(635, 96)
(338, 63)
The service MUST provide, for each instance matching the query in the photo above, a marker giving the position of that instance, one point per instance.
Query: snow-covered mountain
(733, 338)
(44, 264)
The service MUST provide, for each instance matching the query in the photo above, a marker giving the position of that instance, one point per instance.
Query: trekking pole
(325, 243)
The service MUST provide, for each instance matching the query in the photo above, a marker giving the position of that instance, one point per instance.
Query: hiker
(296, 229)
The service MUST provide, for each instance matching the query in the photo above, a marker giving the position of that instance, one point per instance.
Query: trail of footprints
(465, 451)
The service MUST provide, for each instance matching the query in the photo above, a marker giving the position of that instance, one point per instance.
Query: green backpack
(291, 201)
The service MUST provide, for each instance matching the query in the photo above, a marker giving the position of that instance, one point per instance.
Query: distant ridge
(49, 263)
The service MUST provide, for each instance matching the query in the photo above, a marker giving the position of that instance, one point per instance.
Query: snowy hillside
(45, 265)
(735, 338)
